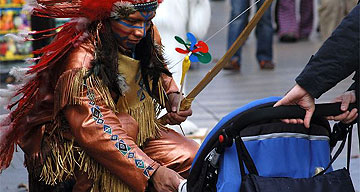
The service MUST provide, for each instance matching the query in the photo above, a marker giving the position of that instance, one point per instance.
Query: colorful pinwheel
(199, 50)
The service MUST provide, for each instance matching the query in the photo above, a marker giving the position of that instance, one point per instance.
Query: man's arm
(101, 134)
(337, 58)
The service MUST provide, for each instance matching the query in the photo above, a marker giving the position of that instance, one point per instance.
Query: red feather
(96, 10)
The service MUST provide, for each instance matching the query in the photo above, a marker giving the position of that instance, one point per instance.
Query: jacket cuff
(155, 166)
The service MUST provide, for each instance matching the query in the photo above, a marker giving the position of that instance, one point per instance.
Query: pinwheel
(198, 50)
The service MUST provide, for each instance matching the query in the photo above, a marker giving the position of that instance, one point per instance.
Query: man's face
(131, 30)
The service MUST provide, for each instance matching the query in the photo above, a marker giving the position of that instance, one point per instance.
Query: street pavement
(230, 90)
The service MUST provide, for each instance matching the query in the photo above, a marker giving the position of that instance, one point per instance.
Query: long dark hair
(104, 65)
(151, 59)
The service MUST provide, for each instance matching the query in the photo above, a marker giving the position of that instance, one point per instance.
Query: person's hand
(165, 179)
(175, 118)
(345, 99)
(299, 96)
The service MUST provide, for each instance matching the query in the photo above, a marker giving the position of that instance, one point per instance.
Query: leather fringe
(145, 115)
(104, 181)
(59, 164)
(162, 95)
(64, 159)
(70, 89)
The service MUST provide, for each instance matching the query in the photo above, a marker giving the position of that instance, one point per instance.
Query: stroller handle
(283, 112)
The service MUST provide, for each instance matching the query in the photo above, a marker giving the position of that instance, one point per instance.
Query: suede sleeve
(100, 133)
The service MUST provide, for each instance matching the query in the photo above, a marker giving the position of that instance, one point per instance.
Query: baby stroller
(277, 149)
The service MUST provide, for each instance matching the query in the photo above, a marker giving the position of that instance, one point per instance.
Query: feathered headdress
(82, 13)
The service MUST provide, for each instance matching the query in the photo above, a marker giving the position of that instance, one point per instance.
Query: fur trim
(82, 23)
(20, 37)
(20, 73)
(12, 87)
(7, 94)
(29, 6)
(122, 10)
(31, 61)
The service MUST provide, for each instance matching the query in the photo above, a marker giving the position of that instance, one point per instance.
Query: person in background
(86, 118)
(263, 33)
(331, 12)
(290, 28)
(336, 59)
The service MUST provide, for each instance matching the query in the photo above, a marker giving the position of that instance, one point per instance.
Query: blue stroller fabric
(278, 149)
(284, 156)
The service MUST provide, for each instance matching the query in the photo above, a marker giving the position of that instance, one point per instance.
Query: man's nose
(140, 32)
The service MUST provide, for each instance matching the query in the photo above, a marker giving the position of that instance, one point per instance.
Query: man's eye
(131, 22)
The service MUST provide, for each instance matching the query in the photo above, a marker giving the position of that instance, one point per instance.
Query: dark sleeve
(337, 58)
(352, 87)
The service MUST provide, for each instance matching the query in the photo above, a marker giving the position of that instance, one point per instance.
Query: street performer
(87, 114)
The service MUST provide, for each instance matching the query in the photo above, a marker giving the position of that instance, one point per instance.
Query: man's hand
(345, 99)
(173, 117)
(299, 96)
(165, 179)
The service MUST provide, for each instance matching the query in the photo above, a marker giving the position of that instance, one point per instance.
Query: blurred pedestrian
(331, 12)
(292, 29)
(263, 33)
(176, 18)
(337, 58)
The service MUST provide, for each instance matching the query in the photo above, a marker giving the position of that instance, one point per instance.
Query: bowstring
(226, 25)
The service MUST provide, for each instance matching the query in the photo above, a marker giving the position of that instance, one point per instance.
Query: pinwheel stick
(186, 102)
(185, 67)
(179, 103)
